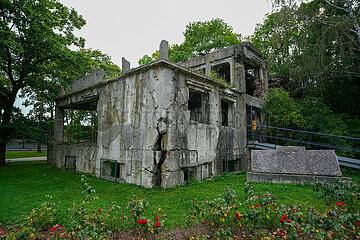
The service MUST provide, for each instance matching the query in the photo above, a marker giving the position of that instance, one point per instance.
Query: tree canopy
(35, 35)
(200, 38)
(316, 47)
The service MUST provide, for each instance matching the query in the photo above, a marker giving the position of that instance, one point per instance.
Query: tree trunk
(5, 121)
(40, 120)
(2, 154)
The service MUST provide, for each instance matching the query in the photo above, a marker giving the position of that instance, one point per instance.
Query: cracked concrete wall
(144, 124)
(144, 121)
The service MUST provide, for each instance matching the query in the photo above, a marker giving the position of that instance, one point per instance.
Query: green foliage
(347, 193)
(44, 216)
(80, 126)
(34, 36)
(315, 47)
(204, 37)
(145, 60)
(95, 59)
(200, 38)
(282, 110)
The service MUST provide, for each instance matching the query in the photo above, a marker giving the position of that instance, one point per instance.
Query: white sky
(134, 28)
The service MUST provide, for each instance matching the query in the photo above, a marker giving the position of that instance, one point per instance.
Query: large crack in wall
(158, 165)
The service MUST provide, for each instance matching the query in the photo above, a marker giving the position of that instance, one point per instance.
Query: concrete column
(59, 126)
(239, 77)
(164, 50)
(61, 90)
(125, 66)
(207, 67)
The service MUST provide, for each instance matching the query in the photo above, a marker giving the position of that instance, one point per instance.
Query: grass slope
(24, 186)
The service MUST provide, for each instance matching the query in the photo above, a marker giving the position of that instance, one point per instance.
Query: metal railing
(343, 146)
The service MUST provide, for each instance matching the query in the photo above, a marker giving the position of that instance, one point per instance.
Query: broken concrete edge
(291, 178)
(252, 47)
(151, 65)
(228, 52)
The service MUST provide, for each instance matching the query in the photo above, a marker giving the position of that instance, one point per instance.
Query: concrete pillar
(239, 77)
(207, 67)
(164, 50)
(125, 66)
(59, 126)
(61, 90)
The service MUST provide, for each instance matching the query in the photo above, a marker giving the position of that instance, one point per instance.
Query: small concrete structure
(162, 122)
(293, 165)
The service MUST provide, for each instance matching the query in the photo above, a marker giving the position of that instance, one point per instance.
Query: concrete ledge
(289, 178)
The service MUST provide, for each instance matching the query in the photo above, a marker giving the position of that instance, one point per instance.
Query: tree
(43, 98)
(35, 35)
(315, 46)
(200, 38)
(282, 110)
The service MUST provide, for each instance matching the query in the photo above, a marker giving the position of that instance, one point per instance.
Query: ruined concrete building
(162, 123)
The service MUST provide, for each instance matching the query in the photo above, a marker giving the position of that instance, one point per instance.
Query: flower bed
(220, 218)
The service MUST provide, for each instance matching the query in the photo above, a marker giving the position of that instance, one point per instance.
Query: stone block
(88, 80)
(164, 50)
(295, 160)
(125, 66)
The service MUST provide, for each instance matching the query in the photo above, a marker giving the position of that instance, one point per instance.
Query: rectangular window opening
(80, 126)
(199, 107)
(111, 169)
(70, 163)
(224, 113)
(222, 71)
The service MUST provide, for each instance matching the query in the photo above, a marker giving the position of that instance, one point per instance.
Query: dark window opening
(189, 175)
(70, 163)
(199, 107)
(253, 83)
(224, 113)
(111, 169)
(222, 71)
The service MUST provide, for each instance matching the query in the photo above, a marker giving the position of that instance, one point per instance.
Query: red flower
(90, 221)
(358, 224)
(275, 207)
(281, 221)
(99, 210)
(52, 229)
(140, 221)
(284, 217)
(296, 224)
(339, 204)
(289, 220)
(237, 215)
(157, 218)
(203, 222)
(144, 221)
(257, 205)
(158, 224)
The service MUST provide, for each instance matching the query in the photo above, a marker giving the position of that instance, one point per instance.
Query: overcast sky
(134, 28)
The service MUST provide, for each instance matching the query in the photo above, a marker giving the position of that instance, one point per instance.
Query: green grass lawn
(24, 186)
(24, 154)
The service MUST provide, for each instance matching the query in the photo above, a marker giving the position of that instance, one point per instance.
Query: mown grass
(24, 154)
(24, 186)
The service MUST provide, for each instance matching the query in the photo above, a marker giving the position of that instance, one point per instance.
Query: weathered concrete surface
(144, 121)
(88, 80)
(295, 160)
